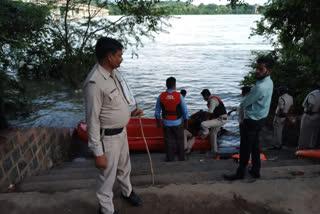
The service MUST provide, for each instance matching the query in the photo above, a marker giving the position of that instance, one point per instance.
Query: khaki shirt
(285, 102)
(106, 106)
(312, 102)
(213, 103)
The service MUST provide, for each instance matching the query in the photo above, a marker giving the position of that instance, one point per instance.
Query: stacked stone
(25, 151)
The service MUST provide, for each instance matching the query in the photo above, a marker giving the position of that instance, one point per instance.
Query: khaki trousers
(278, 124)
(118, 167)
(189, 140)
(214, 126)
(309, 131)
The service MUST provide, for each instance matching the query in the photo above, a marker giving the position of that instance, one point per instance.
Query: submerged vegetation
(37, 44)
(185, 8)
(22, 26)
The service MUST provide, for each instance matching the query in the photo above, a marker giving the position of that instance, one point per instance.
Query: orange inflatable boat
(153, 135)
(309, 153)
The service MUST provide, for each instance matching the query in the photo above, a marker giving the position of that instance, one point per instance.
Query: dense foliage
(70, 46)
(185, 8)
(38, 44)
(21, 26)
(294, 28)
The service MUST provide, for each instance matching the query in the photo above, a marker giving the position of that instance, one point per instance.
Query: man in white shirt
(310, 121)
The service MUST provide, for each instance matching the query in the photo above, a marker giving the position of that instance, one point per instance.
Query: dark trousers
(174, 141)
(249, 144)
(241, 132)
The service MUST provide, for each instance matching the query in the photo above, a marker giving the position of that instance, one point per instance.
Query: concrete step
(201, 161)
(88, 162)
(63, 170)
(260, 197)
(270, 173)
(61, 177)
(197, 163)
(198, 168)
(56, 186)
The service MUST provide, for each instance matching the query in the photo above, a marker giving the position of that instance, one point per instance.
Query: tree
(36, 45)
(63, 48)
(294, 29)
(20, 24)
(72, 53)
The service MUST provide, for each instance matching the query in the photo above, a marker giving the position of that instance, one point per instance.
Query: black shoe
(133, 199)
(167, 160)
(99, 210)
(254, 174)
(233, 177)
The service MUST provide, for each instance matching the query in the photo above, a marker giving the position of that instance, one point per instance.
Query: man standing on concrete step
(284, 107)
(310, 121)
(107, 115)
(256, 107)
(174, 119)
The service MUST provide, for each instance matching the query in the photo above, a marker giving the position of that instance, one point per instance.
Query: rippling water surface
(199, 51)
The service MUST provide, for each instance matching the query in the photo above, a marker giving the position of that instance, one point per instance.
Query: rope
(147, 148)
(141, 128)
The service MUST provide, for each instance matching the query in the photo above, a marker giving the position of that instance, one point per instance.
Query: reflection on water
(200, 52)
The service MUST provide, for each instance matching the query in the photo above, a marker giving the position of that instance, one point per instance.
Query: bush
(294, 29)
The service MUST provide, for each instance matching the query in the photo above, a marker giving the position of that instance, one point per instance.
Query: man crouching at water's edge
(107, 115)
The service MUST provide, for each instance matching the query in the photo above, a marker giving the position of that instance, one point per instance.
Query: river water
(211, 51)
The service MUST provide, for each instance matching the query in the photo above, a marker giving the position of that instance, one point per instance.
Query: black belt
(110, 132)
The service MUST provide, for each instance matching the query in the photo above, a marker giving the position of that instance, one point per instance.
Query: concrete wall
(25, 151)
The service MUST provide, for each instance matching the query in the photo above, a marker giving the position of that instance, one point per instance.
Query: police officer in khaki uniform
(107, 114)
(310, 121)
(285, 103)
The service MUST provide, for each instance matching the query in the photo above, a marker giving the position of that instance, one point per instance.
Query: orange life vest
(220, 109)
(171, 105)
